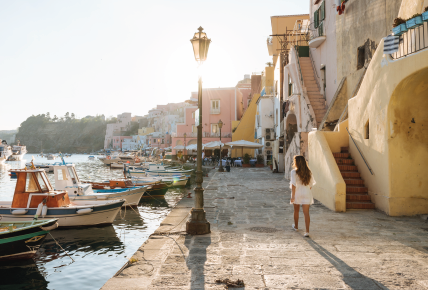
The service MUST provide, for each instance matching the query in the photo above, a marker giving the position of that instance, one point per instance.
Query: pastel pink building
(225, 104)
(117, 141)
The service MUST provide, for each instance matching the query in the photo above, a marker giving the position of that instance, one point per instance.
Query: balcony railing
(412, 41)
(215, 111)
(315, 32)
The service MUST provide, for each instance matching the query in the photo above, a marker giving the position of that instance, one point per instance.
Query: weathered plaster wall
(298, 146)
(387, 150)
(326, 52)
(330, 188)
(410, 7)
(337, 105)
(362, 20)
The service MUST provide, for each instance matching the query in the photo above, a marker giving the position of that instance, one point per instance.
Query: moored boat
(18, 152)
(34, 193)
(22, 239)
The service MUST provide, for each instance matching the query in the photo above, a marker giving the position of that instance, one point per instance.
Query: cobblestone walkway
(252, 240)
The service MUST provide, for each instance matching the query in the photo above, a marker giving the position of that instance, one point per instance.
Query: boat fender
(19, 211)
(44, 210)
(39, 210)
(84, 210)
(52, 227)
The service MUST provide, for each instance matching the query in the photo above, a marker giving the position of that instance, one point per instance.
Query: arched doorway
(290, 129)
(193, 141)
(408, 145)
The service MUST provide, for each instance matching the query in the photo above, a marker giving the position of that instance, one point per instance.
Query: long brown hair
(302, 169)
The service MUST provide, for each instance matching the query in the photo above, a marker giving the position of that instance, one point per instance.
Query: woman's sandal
(294, 228)
(306, 235)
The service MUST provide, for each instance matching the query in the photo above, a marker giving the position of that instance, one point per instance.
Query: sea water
(98, 252)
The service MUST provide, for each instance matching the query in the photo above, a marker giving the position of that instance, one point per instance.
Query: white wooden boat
(51, 157)
(5, 151)
(66, 178)
(34, 194)
(159, 170)
(18, 152)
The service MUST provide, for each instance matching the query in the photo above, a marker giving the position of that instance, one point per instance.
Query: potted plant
(246, 160)
(270, 164)
(414, 21)
(399, 26)
(260, 161)
(425, 15)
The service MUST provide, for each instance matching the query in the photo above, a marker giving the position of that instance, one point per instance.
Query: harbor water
(98, 252)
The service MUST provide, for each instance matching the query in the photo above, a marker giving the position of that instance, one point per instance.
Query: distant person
(301, 182)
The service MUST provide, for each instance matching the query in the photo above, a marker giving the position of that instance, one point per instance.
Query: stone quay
(252, 240)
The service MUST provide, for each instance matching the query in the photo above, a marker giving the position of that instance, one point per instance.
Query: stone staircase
(357, 196)
(315, 97)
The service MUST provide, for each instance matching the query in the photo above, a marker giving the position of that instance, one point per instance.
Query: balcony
(214, 111)
(316, 36)
(268, 91)
(412, 41)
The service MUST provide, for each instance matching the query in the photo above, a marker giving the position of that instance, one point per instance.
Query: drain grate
(263, 230)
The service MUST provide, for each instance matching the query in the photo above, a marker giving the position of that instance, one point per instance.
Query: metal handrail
(411, 42)
(360, 152)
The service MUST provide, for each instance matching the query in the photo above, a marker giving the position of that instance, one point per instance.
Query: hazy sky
(108, 57)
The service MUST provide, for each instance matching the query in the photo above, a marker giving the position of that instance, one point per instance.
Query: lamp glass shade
(200, 43)
(220, 124)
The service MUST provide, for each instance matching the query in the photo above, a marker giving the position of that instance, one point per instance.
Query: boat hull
(109, 161)
(16, 157)
(23, 244)
(68, 216)
(156, 190)
(131, 196)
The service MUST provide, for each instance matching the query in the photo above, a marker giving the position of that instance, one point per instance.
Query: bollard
(189, 195)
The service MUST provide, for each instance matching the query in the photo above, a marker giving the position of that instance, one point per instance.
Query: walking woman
(301, 184)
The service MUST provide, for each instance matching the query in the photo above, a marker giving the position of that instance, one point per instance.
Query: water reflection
(99, 252)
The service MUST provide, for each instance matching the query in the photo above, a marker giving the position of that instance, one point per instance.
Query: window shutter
(322, 10)
(316, 19)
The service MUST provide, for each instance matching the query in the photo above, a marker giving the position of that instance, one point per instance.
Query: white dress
(303, 193)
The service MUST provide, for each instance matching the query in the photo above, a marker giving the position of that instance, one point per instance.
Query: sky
(108, 57)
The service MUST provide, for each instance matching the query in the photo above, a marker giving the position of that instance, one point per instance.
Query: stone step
(358, 196)
(356, 189)
(320, 112)
(344, 161)
(354, 181)
(316, 100)
(350, 175)
(360, 205)
(315, 95)
(317, 106)
(341, 155)
(348, 168)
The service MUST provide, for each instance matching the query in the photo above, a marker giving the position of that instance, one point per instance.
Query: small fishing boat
(5, 151)
(160, 170)
(66, 178)
(171, 181)
(109, 159)
(91, 157)
(51, 157)
(18, 152)
(46, 167)
(155, 186)
(35, 194)
(22, 239)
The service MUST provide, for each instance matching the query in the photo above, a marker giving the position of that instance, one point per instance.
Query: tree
(73, 116)
(55, 118)
(67, 116)
(48, 116)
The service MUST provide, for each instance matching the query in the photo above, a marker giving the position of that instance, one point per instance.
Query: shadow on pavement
(196, 259)
(351, 277)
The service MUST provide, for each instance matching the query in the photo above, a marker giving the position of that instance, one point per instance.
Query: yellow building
(388, 137)
(145, 131)
(245, 128)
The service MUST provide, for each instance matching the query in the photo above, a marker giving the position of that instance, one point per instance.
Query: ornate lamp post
(198, 224)
(184, 150)
(220, 169)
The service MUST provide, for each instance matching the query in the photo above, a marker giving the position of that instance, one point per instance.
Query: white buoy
(19, 211)
(84, 210)
(39, 210)
(44, 210)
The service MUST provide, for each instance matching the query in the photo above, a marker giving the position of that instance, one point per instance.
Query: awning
(215, 145)
(244, 144)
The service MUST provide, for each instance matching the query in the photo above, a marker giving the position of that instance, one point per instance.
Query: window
(193, 115)
(62, 174)
(194, 129)
(290, 86)
(214, 128)
(163, 141)
(42, 183)
(367, 130)
(215, 106)
(31, 185)
(319, 15)
(72, 176)
(361, 57)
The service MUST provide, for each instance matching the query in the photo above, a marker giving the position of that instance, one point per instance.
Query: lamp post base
(198, 224)
(221, 169)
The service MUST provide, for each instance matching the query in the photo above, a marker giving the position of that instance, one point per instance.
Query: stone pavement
(252, 240)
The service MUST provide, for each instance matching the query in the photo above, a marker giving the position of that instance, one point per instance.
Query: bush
(246, 158)
(398, 21)
(260, 159)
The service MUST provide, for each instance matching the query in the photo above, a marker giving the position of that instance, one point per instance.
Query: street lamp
(184, 150)
(198, 224)
(220, 169)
